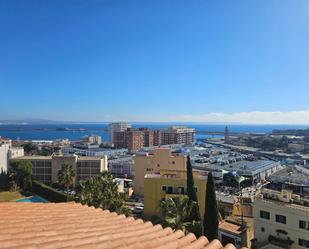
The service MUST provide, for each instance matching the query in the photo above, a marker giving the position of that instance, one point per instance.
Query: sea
(75, 132)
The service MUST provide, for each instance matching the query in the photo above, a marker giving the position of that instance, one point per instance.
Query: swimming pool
(34, 198)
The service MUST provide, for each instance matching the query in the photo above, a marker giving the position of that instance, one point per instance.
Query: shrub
(47, 192)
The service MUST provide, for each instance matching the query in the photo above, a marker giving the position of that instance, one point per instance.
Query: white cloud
(255, 117)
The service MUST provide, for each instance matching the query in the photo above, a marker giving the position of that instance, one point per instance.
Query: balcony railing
(281, 242)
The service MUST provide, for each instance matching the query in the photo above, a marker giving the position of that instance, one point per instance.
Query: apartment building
(157, 137)
(281, 220)
(169, 184)
(160, 159)
(148, 138)
(92, 139)
(133, 139)
(177, 135)
(121, 167)
(116, 127)
(45, 168)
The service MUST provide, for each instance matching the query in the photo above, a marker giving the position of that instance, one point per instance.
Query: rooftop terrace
(285, 198)
(291, 175)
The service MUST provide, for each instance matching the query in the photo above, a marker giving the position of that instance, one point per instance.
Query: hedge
(47, 192)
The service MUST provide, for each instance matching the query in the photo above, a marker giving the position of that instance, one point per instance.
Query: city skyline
(155, 61)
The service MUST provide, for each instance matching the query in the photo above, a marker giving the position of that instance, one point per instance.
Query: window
(164, 188)
(173, 162)
(264, 215)
(181, 190)
(303, 242)
(280, 219)
(304, 224)
(262, 229)
(169, 190)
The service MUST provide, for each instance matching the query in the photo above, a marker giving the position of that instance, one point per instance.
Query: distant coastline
(74, 132)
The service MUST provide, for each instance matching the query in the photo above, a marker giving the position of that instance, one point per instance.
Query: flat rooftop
(37, 157)
(292, 176)
(246, 166)
(99, 149)
(288, 205)
(71, 225)
(252, 165)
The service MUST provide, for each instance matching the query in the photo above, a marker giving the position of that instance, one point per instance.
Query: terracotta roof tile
(72, 226)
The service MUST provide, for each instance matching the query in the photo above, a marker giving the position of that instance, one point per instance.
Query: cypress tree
(211, 217)
(4, 180)
(195, 214)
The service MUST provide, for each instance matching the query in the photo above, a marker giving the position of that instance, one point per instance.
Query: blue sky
(227, 61)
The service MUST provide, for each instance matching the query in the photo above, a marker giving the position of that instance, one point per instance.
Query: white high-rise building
(116, 127)
(8, 152)
(4, 152)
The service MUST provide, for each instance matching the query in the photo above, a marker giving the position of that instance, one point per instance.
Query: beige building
(45, 168)
(281, 220)
(161, 159)
(169, 184)
(92, 139)
(178, 135)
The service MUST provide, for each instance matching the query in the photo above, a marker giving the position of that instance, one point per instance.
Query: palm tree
(101, 191)
(176, 212)
(66, 177)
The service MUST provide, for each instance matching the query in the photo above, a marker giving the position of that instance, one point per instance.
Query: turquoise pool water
(33, 198)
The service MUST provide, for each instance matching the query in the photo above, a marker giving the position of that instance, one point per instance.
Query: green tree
(101, 191)
(30, 148)
(175, 213)
(66, 177)
(190, 183)
(21, 174)
(283, 142)
(191, 192)
(269, 144)
(211, 216)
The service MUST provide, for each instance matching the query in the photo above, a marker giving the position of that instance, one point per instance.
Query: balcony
(285, 243)
(167, 191)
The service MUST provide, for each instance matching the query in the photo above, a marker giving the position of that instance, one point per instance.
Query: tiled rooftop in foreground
(71, 225)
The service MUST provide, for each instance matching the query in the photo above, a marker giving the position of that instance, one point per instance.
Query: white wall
(293, 215)
(4, 148)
